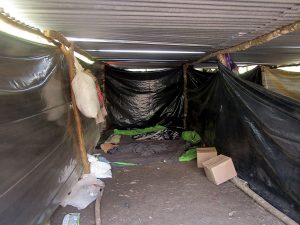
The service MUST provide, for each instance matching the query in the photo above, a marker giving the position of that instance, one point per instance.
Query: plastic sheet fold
(143, 99)
(258, 128)
(254, 75)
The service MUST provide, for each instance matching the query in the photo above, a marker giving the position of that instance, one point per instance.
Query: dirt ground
(170, 193)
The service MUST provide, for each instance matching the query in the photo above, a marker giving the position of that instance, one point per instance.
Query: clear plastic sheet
(283, 82)
(38, 146)
(258, 128)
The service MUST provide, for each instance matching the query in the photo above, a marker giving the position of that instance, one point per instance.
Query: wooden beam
(78, 127)
(221, 59)
(287, 65)
(61, 38)
(254, 42)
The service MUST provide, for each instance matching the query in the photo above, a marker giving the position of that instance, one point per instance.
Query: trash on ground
(84, 192)
(106, 147)
(165, 134)
(144, 149)
(124, 164)
(188, 155)
(113, 139)
(191, 136)
(219, 169)
(101, 158)
(204, 154)
(133, 132)
(231, 213)
(99, 168)
(71, 219)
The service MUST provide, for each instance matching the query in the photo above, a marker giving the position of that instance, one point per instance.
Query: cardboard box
(219, 169)
(204, 154)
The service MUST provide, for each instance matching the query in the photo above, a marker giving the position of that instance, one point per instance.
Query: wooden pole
(254, 42)
(54, 35)
(287, 65)
(185, 109)
(221, 59)
(98, 207)
(69, 55)
(259, 200)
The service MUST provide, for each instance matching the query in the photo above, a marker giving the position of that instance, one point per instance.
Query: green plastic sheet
(139, 131)
(191, 136)
(188, 155)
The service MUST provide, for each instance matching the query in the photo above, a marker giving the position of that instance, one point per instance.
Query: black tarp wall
(38, 148)
(142, 99)
(258, 128)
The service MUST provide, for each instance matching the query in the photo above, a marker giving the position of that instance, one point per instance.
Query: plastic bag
(189, 155)
(84, 192)
(99, 168)
(191, 136)
(86, 96)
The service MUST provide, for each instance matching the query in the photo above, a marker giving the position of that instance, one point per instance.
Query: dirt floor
(170, 193)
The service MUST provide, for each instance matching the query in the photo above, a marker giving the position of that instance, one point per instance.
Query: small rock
(231, 213)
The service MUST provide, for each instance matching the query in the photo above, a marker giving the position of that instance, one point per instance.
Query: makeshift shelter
(164, 91)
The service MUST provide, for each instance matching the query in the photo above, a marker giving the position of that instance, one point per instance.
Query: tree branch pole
(69, 55)
(54, 35)
(185, 109)
(254, 42)
(221, 59)
(241, 184)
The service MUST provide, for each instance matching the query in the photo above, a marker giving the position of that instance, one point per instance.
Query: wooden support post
(69, 55)
(221, 59)
(185, 109)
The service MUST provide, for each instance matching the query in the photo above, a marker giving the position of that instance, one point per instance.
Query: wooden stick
(54, 35)
(79, 131)
(241, 184)
(98, 207)
(185, 109)
(221, 59)
(254, 42)
(287, 65)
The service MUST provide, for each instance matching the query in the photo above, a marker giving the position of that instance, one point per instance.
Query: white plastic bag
(98, 168)
(85, 92)
(84, 192)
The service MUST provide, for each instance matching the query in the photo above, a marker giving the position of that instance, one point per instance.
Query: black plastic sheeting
(196, 78)
(258, 128)
(254, 75)
(38, 148)
(142, 99)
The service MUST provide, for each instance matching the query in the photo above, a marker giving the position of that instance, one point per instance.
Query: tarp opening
(283, 82)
